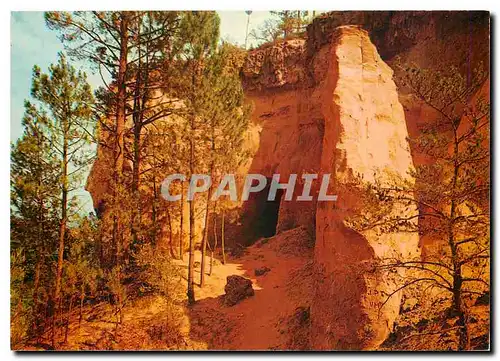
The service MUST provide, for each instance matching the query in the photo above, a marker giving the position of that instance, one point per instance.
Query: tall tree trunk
(136, 208)
(122, 94)
(458, 307)
(181, 236)
(190, 280)
(463, 332)
(120, 132)
(153, 211)
(222, 240)
(138, 115)
(190, 288)
(205, 239)
(205, 231)
(40, 253)
(215, 242)
(62, 226)
(170, 236)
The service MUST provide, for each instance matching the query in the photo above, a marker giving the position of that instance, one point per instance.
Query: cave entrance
(267, 213)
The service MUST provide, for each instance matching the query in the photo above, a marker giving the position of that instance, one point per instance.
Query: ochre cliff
(345, 120)
(333, 103)
(367, 138)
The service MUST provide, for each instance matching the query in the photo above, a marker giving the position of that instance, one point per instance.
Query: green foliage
(450, 188)
(290, 21)
(182, 93)
(160, 273)
(90, 35)
(65, 102)
(82, 266)
(284, 24)
(48, 162)
(200, 34)
(34, 221)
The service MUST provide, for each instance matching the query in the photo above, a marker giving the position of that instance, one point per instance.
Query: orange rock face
(330, 105)
(346, 120)
(366, 140)
(334, 108)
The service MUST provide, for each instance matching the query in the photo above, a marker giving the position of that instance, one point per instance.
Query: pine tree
(451, 192)
(290, 22)
(155, 33)
(82, 268)
(137, 51)
(103, 38)
(34, 224)
(281, 25)
(201, 33)
(66, 98)
(225, 116)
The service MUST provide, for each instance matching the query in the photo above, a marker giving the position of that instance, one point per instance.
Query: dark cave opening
(266, 213)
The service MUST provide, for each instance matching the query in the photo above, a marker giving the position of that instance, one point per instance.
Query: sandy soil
(261, 322)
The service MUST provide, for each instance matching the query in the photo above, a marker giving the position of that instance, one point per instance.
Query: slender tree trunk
(211, 262)
(153, 211)
(190, 287)
(39, 251)
(215, 242)
(122, 93)
(205, 240)
(463, 334)
(120, 132)
(62, 226)
(205, 233)
(138, 115)
(222, 240)
(136, 208)
(190, 290)
(463, 342)
(170, 236)
(181, 236)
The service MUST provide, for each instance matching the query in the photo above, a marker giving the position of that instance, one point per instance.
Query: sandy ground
(261, 322)
(275, 318)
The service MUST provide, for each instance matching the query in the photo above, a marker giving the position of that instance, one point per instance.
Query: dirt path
(260, 322)
(264, 321)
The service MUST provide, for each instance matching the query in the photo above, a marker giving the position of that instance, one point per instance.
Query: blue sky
(33, 43)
